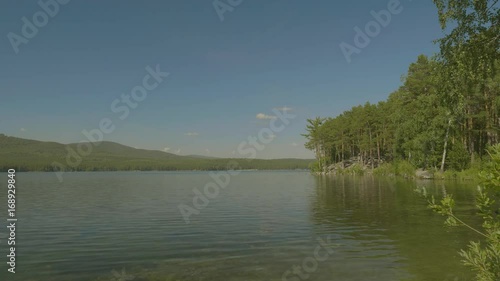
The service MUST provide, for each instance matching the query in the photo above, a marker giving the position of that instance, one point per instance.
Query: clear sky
(224, 74)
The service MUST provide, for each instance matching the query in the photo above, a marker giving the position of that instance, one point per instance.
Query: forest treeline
(445, 114)
(31, 155)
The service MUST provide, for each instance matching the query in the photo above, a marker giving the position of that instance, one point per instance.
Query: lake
(283, 225)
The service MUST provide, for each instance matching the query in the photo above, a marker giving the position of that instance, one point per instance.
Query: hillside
(32, 155)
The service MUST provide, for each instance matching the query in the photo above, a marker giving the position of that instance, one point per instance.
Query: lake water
(127, 226)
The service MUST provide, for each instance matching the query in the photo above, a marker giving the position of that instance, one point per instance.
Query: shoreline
(465, 175)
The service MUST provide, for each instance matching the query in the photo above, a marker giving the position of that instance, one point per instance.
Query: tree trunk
(445, 145)
(378, 150)
(371, 153)
(342, 152)
(318, 156)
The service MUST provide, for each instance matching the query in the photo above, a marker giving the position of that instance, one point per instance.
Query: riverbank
(402, 169)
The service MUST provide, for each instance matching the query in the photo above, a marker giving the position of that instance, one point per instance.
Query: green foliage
(447, 110)
(357, 169)
(484, 256)
(315, 167)
(386, 169)
(354, 170)
(471, 55)
(441, 117)
(478, 164)
(315, 141)
(445, 208)
(457, 175)
(471, 174)
(396, 168)
(419, 123)
(471, 48)
(458, 157)
(404, 168)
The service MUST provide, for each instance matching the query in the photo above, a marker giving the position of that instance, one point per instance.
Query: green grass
(407, 170)
(469, 174)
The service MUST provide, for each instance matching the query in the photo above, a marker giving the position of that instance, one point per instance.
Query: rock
(421, 174)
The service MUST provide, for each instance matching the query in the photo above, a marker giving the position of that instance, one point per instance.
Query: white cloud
(294, 144)
(22, 130)
(178, 151)
(207, 151)
(192, 134)
(166, 149)
(284, 108)
(263, 116)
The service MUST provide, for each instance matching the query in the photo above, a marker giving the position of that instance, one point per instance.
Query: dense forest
(445, 114)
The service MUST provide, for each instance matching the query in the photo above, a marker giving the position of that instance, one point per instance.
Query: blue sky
(263, 55)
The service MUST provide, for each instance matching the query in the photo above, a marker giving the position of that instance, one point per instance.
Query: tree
(314, 139)
(470, 54)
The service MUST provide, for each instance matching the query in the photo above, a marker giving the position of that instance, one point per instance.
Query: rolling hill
(32, 155)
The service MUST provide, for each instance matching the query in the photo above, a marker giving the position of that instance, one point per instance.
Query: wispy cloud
(192, 134)
(207, 151)
(262, 116)
(294, 144)
(178, 151)
(166, 149)
(22, 130)
(284, 108)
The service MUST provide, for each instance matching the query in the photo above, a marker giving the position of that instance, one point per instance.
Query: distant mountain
(32, 155)
(202, 156)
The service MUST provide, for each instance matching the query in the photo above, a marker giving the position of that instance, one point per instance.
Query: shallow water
(127, 226)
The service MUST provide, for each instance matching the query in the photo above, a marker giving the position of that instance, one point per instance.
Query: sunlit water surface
(127, 226)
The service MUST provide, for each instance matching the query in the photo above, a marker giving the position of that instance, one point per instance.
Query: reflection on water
(127, 226)
(397, 224)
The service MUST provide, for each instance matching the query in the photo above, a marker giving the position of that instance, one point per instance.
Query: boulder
(422, 174)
